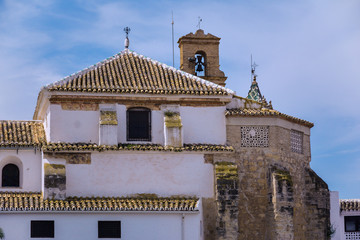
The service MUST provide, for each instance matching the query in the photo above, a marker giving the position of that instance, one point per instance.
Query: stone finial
(127, 41)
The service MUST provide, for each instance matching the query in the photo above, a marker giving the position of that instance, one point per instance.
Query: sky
(308, 52)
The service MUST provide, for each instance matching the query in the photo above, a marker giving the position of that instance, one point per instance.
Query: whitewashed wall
(140, 225)
(73, 126)
(200, 125)
(335, 219)
(204, 124)
(29, 163)
(128, 173)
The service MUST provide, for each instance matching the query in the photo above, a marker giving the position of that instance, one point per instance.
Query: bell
(199, 58)
(199, 67)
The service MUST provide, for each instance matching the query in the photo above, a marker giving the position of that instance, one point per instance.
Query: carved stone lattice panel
(352, 235)
(296, 141)
(255, 136)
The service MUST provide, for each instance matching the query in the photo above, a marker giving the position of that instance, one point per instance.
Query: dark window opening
(352, 223)
(42, 229)
(139, 124)
(10, 176)
(109, 229)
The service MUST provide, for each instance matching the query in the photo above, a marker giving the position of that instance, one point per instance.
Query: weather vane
(253, 68)
(199, 21)
(127, 42)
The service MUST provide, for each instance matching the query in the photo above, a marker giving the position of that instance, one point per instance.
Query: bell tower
(199, 55)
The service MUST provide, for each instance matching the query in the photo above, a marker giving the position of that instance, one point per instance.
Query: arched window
(10, 176)
(138, 124)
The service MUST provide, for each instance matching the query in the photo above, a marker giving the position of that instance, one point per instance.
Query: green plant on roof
(2, 235)
(170, 113)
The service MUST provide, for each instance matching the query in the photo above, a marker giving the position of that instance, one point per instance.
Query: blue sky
(308, 52)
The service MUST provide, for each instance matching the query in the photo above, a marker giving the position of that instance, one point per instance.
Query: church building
(131, 148)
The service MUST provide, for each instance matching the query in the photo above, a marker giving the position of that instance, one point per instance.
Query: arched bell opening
(200, 63)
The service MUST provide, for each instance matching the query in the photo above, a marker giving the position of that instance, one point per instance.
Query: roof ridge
(87, 69)
(39, 121)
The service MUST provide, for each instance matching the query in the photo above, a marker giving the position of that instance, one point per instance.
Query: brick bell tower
(199, 55)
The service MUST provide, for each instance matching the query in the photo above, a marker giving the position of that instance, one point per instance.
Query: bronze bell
(199, 67)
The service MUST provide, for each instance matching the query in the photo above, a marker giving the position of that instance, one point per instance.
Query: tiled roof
(129, 72)
(21, 133)
(134, 147)
(35, 202)
(350, 204)
(254, 92)
(264, 112)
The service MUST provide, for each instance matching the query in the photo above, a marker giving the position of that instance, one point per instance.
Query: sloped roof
(21, 133)
(11, 201)
(350, 204)
(264, 112)
(129, 72)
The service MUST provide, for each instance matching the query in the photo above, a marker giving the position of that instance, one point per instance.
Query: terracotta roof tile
(10, 201)
(129, 72)
(350, 204)
(52, 147)
(21, 133)
(264, 112)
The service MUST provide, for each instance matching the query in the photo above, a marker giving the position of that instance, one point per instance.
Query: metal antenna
(127, 42)
(172, 30)
(199, 21)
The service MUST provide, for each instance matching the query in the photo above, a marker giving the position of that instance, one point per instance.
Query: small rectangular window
(296, 140)
(109, 229)
(42, 229)
(139, 124)
(352, 223)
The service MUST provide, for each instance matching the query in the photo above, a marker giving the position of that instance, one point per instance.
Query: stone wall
(280, 197)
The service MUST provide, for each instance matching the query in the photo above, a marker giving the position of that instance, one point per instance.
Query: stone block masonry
(278, 195)
(54, 181)
(227, 194)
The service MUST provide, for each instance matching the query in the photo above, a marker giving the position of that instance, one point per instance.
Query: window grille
(296, 139)
(255, 136)
(139, 124)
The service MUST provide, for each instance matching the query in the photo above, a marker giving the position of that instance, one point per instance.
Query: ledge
(53, 147)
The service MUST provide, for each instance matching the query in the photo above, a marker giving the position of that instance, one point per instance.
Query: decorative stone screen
(296, 141)
(352, 235)
(255, 136)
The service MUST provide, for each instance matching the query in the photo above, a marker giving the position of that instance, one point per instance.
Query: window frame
(4, 175)
(102, 234)
(357, 223)
(139, 109)
(32, 230)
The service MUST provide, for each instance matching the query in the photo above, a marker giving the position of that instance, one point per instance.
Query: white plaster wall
(140, 225)
(204, 124)
(200, 125)
(29, 163)
(128, 173)
(73, 126)
(47, 124)
(335, 218)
